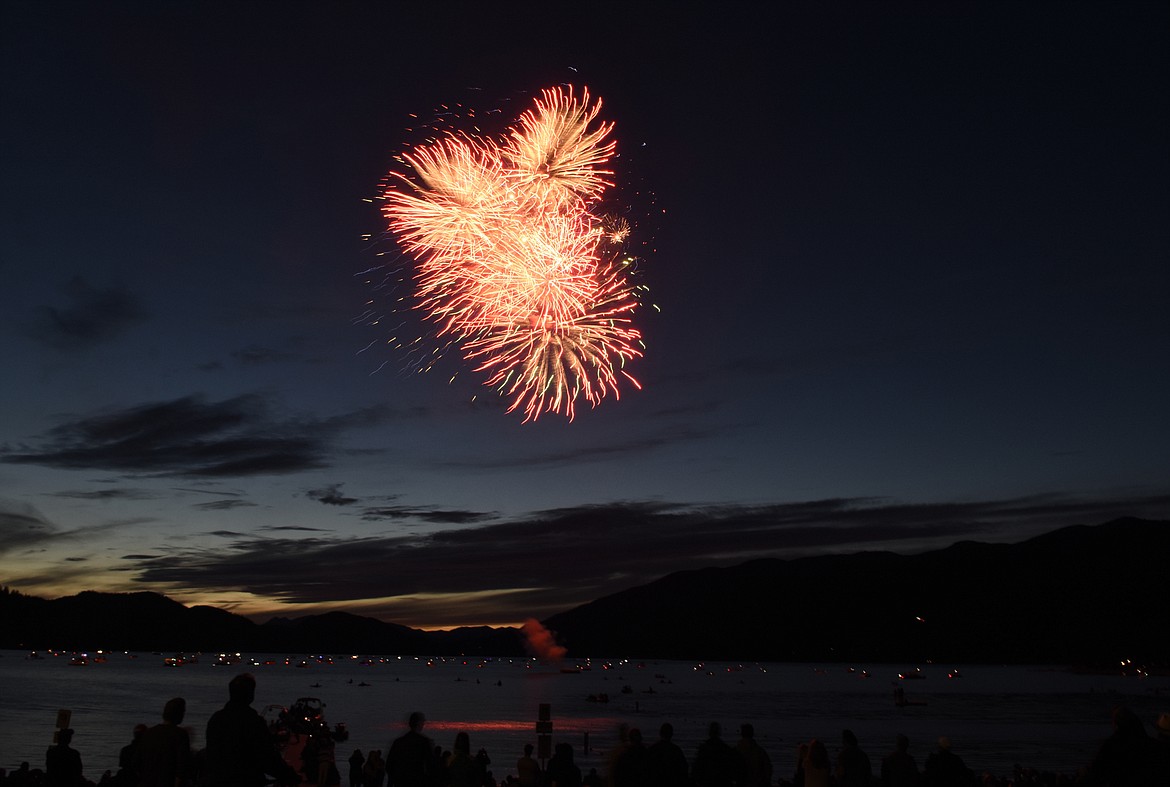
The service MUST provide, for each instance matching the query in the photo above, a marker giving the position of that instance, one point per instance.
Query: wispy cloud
(191, 437)
(223, 505)
(22, 526)
(432, 515)
(89, 316)
(104, 495)
(330, 495)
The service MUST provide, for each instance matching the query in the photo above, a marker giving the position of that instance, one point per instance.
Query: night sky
(909, 263)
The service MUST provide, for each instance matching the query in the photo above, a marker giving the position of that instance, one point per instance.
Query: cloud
(553, 560)
(259, 356)
(330, 495)
(223, 505)
(191, 437)
(90, 316)
(108, 494)
(22, 526)
(295, 528)
(432, 515)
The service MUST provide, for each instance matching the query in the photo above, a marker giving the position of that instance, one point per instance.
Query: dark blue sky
(911, 263)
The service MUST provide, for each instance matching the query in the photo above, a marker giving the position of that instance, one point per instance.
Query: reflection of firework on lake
(513, 264)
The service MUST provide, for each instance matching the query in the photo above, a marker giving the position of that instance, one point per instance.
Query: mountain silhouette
(1092, 595)
(1088, 595)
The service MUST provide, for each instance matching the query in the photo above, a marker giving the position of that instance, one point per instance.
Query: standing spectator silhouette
(357, 763)
(756, 764)
(666, 763)
(562, 771)
(898, 767)
(629, 767)
(816, 765)
(853, 767)
(127, 775)
(410, 762)
(944, 768)
(62, 763)
(1127, 756)
(374, 771)
(461, 769)
(528, 769)
(163, 758)
(1161, 749)
(716, 764)
(240, 751)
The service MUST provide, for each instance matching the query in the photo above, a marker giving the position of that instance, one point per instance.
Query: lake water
(1045, 718)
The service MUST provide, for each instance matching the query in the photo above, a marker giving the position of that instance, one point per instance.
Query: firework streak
(514, 264)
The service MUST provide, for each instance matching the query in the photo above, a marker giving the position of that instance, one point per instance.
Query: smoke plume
(541, 642)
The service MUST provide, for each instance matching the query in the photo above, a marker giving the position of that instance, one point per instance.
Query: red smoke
(541, 642)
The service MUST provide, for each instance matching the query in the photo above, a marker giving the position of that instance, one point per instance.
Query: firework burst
(513, 263)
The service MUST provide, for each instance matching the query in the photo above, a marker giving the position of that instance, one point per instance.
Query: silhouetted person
(62, 763)
(944, 768)
(853, 766)
(755, 762)
(374, 771)
(528, 769)
(562, 771)
(716, 764)
(898, 767)
(462, 770)
(21, 777)
(127, 775)
(1161, 748)
(409, 762)
(630, 766)
(483, 760)
(798, 772)
(666, 763)
(311, 759)
(616, 751)
(240, 751)
(164, 751)
(1127, 756)
(816, 765)
(327, 773)
(357, 763)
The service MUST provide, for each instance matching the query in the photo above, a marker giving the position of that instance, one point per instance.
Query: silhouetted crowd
(242, 751)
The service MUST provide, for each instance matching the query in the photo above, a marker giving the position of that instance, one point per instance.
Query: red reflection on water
(589, 724)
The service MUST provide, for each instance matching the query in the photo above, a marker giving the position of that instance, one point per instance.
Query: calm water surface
(1046, 718)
